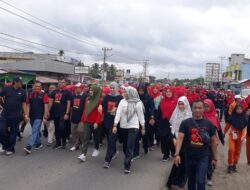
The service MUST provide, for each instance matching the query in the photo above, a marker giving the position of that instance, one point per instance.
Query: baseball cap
(237, 97)
(17, 79)
(78, 85)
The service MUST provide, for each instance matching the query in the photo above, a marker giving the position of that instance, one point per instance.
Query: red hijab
(167, 105)
(212, 114)
(151, 91)
(248, 99)
(105, 90)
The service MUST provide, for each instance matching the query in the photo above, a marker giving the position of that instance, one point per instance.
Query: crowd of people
(184, 121)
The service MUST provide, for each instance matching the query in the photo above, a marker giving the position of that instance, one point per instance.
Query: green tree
(111, 72)
(152, 79)
(80, 63)
(95, 71)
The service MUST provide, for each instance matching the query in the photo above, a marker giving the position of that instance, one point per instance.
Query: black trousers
(167, 145)
(178, 174)
(60, 131)
(9, 128)
(145, 143)
(128, 139)
(111, 144)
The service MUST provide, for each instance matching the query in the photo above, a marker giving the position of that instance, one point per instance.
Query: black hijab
(143, 87)
(238, 121)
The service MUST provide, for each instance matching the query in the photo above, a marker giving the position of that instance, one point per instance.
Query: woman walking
(166, 108)
(110, 104)
(210, 114)
(177, 177)
(237, 133)
(130, 115)
(91, 119)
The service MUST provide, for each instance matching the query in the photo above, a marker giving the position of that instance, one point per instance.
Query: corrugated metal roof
(40, 65)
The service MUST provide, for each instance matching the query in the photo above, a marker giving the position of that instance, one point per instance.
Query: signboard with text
(81, 70)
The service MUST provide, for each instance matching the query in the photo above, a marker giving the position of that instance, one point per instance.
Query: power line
(24, 44)
(67, 34)
(45, 22)
(131, 59)
(2, 45)
(48, 28)
(47, 46)
(28, 40)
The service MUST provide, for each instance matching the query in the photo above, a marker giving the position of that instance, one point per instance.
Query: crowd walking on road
(184, 122)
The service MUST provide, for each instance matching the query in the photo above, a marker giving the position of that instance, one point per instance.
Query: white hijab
(178, 116)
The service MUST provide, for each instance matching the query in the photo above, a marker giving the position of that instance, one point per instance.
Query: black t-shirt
(109, 103)
(13, 99)
(193, 144)
(77, 106)
(60, 98)
(52, 107)
(36, 102)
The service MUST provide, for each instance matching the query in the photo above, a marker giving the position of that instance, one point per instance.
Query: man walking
(60, 100)
(196, 135)
(13, 100)
(37, 109)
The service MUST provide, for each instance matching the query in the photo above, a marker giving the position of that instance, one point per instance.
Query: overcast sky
(177, 36)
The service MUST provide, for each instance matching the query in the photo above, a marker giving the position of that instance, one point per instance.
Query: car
(245, 92)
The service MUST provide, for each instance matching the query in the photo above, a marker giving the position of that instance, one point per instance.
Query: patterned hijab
(132, 99)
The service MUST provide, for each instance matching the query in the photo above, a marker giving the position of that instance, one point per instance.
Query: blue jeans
(196, 169)
(35, 136)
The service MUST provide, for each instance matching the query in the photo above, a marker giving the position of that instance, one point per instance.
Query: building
(238, 69)
(245, 83)
(212, 72)
(49, 66)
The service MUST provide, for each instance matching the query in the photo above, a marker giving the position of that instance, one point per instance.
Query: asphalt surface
(48, 169)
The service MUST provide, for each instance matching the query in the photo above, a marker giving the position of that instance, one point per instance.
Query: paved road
(49, 169)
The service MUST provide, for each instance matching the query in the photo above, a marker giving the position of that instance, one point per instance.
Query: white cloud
(177, 36)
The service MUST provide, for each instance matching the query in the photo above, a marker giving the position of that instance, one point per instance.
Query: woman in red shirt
(91, 119)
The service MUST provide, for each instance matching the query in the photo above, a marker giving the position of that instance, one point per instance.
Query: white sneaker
(8, 153)
(82, 158)
(2, 150)
(95, 153)
(155, 142)
(210, 183)
(73, 149)
(115, 155)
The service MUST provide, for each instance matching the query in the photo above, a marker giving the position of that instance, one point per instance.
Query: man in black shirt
(37, 108)
(13, 100)
(196, 135)
(60, 99)
(77, 108)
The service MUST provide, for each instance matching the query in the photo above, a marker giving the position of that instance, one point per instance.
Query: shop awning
(45, 79)
(7, 76)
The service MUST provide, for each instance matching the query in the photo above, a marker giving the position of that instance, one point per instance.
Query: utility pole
(145, 69)
(221, 69)
(105, 49)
